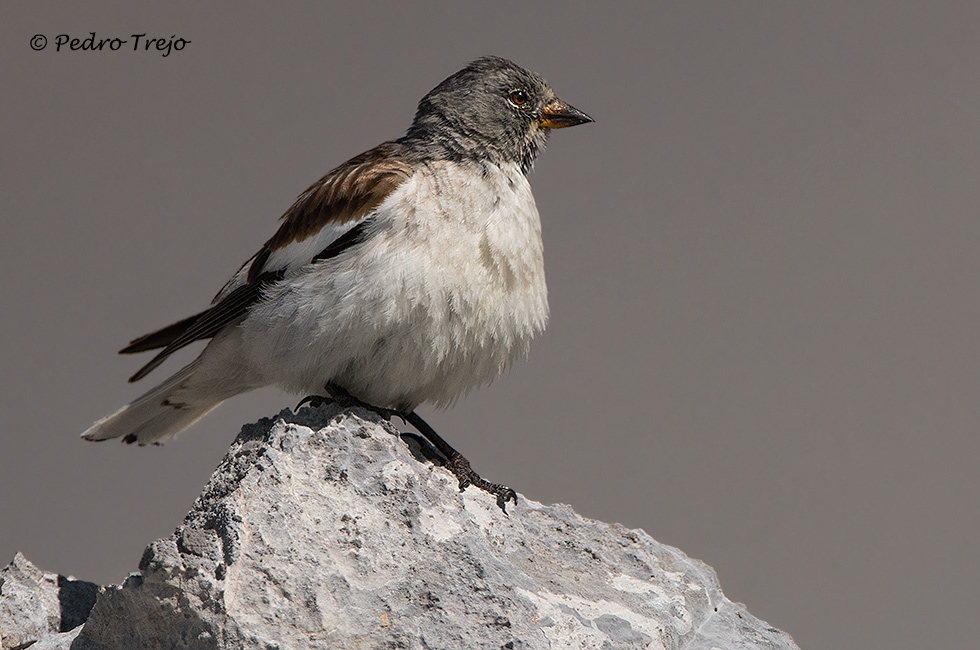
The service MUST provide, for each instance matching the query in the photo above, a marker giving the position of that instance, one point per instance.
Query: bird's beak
(556, 114)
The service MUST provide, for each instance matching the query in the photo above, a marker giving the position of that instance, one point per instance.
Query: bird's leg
(459, 466)
(455, 461)
(339, 396)
(342, 398)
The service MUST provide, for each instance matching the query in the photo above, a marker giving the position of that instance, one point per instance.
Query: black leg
(342, 398)
(455, 461)
(459, 466)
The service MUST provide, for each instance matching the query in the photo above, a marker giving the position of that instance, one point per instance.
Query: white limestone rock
(41, 610)
(321, 530)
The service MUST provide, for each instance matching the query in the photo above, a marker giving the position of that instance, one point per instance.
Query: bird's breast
(471, 276)
(478, 233)
(446, 291)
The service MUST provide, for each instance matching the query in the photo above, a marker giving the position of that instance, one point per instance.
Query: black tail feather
(162, 337)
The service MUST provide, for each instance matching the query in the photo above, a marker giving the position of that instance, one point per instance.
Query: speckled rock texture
(321, 530)
(41, 610)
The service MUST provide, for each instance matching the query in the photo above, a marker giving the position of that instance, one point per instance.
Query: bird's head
(493, 109)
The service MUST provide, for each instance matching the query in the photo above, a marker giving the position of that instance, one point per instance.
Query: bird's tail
(167, 409)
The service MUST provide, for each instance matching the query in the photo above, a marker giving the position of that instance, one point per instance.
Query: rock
(41, 610)
(320, 529)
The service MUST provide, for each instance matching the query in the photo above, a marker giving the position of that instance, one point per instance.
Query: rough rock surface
(320, 530)
(36, 606)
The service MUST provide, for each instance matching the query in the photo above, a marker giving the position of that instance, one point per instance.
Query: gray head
(492, 110)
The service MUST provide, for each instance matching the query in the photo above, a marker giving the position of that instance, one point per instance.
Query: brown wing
(348, 193)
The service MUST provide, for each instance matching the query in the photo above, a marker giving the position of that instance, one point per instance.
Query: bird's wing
(332, 215)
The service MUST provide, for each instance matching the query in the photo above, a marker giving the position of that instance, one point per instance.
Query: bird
(410, 274)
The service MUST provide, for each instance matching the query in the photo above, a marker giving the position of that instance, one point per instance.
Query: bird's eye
(518, 98)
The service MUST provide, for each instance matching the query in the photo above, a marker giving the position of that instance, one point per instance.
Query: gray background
(763, 264)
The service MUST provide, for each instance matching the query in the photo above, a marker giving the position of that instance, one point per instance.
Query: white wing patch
(292, 257)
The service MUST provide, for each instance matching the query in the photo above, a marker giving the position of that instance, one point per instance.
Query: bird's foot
(339, 396)
(343, 399)
(315, 401)
(461, 469)
(459, 466)
(455, 462)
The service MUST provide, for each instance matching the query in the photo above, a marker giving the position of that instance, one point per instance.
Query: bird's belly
(422, 311)
(395, 338)
(442, 347)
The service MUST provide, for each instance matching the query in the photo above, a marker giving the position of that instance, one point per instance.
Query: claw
(340, 396)
(505, 496)
(463, 471)
(315, 401)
